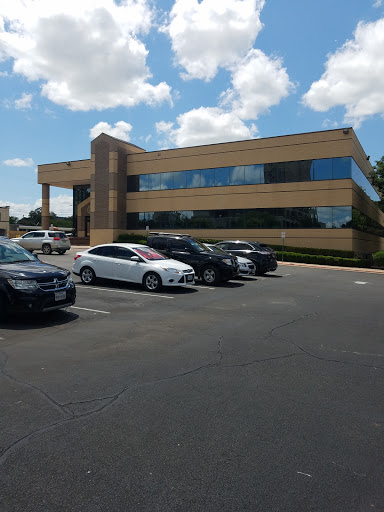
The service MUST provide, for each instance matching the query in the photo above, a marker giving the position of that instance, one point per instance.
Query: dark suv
(28, 285)
(262, 256)
(210, 267)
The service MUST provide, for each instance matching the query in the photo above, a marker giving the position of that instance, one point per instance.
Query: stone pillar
(45, 206)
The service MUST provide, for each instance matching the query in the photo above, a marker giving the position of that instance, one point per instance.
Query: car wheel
(47, 249)
(87, 275)
(152, 282)
(210, 275)
(257, 269)
(61, 251)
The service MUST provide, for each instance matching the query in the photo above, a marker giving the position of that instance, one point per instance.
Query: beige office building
(312, 187)
(4, 220)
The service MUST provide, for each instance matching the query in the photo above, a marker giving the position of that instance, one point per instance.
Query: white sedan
(134, 263)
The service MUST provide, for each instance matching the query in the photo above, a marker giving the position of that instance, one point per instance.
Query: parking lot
(263, 394)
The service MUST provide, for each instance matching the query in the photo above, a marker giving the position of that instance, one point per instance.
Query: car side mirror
(135, 258)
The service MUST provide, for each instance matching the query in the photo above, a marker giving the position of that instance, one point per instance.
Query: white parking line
(154, 295)
(93, 310)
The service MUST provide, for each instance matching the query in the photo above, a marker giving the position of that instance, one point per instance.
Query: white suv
(46, 241)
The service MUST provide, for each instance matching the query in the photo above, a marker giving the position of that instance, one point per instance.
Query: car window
(224, 246)
(38, 234)
(56, 234)
(124, 254)
(160, 243)
(29, 235)
(13, 253)
(105, 250)
(240, 247)
(179, 245)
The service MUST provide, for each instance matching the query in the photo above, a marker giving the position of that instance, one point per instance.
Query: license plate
(60, 295)
(190, 277)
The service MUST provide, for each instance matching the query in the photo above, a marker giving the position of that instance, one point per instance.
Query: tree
(13, 220)
(377, 180)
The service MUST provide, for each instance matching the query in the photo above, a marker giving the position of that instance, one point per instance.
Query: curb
(331, 267)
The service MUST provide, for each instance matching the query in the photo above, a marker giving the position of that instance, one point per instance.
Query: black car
(210, 267)
(262, 256)
(28, 285)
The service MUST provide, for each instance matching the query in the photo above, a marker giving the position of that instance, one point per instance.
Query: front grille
(52, 284)
(187, 271)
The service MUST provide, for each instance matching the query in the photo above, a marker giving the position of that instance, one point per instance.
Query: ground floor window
(323, 217)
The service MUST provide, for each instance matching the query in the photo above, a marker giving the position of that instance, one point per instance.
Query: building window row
(324, 217)
(281, 172)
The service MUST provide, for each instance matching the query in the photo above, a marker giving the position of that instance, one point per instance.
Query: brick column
(45, 206)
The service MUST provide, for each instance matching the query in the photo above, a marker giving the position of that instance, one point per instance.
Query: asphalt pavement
(264, 394)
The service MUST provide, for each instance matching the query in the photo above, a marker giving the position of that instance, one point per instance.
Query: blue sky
(179, 73)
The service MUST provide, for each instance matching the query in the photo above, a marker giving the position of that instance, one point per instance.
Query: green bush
(311, 250)
(378, 259)
(318, 259)
(132, 238)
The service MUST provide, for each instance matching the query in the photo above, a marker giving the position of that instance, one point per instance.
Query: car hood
(170, 263)
(31, 270)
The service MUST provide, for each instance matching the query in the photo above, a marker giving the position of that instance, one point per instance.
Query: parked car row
(170, 259)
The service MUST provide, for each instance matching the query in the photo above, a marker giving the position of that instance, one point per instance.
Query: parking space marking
(203, 287)
(361, 282)
(93, 310)
(155, 295)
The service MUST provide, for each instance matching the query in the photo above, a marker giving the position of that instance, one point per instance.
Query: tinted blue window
(153, 181)
(360, 179)
(341, 168)
(166, 180)
(207, 177)
(143, 182)
(193, 179)
(341, 216)
(180, 179)
(322, 169)
(222, 177)
(236, 175)
(253, 174)
(324, 216)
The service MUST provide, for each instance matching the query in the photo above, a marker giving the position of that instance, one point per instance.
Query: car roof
(127, 245)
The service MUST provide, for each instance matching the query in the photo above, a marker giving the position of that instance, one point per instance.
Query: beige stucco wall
(4, 220)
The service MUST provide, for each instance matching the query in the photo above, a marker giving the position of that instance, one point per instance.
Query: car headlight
(173, 270)
(23, 284)
(228, 261)
(70, 279)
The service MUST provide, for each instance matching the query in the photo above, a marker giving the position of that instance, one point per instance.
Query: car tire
(210, 276)
(152, 282)
(47, 249)
(87, 275)
(62, 251)
(3, 308)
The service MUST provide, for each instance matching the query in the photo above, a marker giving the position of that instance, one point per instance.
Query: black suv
(262, 256)
(28, 285)
(210, 267)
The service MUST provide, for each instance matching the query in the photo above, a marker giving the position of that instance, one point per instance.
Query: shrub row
(378, 259)
(324, 260)
(311, 250)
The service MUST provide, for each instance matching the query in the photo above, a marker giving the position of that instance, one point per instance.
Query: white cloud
(378, 3)
(354, 76)
(210, 34)
(19, 162)
(61, 205)
(259, 82)
(4, 73)
(205, 126)
(24, 102)
(120, 130)
(87, 54)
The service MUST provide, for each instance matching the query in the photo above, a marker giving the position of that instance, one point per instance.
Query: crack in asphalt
(72, 416)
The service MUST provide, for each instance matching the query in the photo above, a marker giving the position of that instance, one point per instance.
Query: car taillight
(56, 238)
(77, 256)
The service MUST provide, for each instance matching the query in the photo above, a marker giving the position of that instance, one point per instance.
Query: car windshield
(14, 253)
(198, 245)
(149, 254)
(213, 248)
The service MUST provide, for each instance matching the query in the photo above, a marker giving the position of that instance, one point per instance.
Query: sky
(177, 73)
